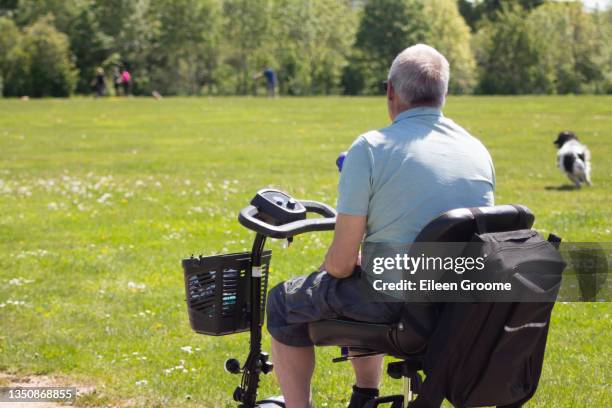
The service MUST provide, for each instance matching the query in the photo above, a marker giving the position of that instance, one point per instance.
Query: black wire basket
(218, 290)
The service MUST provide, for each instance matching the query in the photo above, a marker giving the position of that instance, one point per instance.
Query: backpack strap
(481, 226)
(554, 240)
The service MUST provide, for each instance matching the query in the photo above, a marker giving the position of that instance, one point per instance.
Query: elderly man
(393, 182)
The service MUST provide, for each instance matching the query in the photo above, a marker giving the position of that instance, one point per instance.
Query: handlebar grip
(319, 208)
(247, 218)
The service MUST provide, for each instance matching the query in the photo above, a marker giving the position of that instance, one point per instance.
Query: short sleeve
(355, 180)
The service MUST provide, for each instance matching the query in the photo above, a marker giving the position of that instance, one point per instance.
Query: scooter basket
(218, 290)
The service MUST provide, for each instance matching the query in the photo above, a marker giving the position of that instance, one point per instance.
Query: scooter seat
(398, 340)
(403, 340)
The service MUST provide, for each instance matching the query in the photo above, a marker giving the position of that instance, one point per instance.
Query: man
(99, 83)
(393, 182)
(270, 76)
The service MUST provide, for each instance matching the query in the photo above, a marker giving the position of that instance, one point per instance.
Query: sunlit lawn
(100, 200)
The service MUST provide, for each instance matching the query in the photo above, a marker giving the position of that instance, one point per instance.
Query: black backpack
(491, 353)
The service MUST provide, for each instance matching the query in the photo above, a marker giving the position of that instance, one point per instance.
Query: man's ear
(390, 92)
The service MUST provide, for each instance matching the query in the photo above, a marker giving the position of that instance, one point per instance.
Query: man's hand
(343, 254)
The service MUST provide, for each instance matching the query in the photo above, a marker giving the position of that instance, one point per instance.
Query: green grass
(96, 194)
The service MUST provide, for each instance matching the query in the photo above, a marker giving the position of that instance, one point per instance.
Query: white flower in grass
(134, 285)
(24, 191)
(19, 281)
(142, 382)
(52, 206)
(187, 349)
(14, 303)
(104, 198)
(172, 236)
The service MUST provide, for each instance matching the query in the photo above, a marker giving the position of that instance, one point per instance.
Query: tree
(137, 44)
(63, 11)
(470, 13)
(187, 51)
(245, 27)
(7, 7)
(13, 60)
(475, 11)
(311, 43)
(385, 29)
(89, 45)
(566, 39)
(508, 59)
(333, 33)
(450, 35)
(602, 20)
(51, 70)
(112, 15)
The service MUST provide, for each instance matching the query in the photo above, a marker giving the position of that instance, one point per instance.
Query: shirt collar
(418, 111)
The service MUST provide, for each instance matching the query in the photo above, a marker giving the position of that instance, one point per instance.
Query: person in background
(117, 81)
(99, 82)
(126, 81)
(270, 76)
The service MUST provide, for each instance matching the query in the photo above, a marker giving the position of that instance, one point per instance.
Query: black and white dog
(573, 158)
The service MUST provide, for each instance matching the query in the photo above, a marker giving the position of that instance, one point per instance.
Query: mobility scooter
(226, 294)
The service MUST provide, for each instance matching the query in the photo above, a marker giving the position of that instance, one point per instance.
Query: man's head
(418, 77)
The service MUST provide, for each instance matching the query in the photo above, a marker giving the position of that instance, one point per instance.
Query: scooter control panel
(277, 208)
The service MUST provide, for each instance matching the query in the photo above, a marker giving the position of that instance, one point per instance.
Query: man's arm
(342, 255)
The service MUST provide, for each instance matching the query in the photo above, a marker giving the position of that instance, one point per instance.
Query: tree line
(214, 47)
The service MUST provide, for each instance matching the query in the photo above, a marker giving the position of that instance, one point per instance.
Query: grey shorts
(295, 303)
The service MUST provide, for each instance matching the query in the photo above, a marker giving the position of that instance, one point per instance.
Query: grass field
(101, 199)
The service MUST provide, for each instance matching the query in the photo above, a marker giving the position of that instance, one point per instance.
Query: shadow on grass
(564, 187)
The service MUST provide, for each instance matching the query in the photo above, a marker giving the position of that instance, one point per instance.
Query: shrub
(51, 69)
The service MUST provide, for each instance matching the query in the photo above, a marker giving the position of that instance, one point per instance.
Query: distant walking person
(99, 82)
(270, 76)
(126, 81)
(117, 81)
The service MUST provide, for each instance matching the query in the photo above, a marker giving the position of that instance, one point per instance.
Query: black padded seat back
(459, 225)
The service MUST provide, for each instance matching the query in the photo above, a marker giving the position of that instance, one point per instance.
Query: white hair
(419, 75)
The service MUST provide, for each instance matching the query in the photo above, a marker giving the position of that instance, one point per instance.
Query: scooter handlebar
(319, 208)
(248, 218)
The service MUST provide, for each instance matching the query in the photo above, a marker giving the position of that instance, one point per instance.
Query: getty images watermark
(410, 265)
(463, 272)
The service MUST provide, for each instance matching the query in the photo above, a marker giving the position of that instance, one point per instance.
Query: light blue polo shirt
(406, 174)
